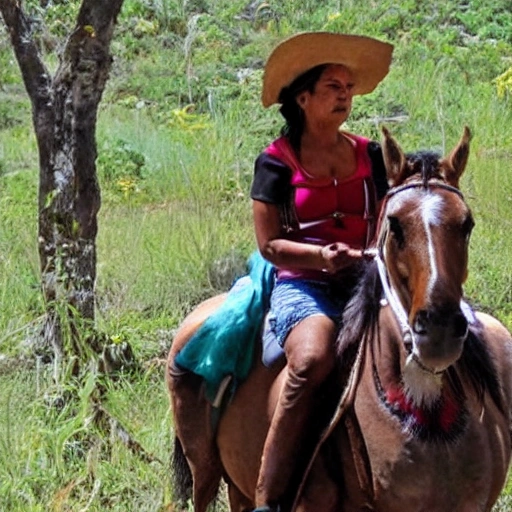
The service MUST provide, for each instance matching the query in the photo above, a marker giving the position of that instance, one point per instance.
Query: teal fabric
(224, 344)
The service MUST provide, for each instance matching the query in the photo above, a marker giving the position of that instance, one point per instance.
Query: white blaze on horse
(419, 406)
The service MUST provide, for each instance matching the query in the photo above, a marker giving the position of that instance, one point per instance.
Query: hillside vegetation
(180, 125)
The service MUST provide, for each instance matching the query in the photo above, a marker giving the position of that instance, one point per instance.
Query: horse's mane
(425, 164)
(477, 364)
(362, 310)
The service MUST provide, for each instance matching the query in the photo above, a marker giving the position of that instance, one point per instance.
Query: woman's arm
(285, 253)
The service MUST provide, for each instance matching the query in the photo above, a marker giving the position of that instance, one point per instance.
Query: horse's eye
(467, 225)
(397, 231)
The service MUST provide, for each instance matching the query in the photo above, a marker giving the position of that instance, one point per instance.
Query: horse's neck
(387, 349)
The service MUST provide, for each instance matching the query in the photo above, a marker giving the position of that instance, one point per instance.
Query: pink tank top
(328, 210)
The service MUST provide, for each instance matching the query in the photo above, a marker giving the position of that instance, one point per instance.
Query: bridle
(390, 295)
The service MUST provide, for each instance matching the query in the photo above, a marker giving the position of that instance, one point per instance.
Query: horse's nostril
(460, 325)
(421, 322)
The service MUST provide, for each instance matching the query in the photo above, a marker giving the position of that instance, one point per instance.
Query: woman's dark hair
(290, 110)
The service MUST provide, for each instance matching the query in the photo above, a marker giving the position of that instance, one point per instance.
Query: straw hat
(368, 59)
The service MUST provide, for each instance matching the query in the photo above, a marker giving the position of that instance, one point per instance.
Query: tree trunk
(64, 109)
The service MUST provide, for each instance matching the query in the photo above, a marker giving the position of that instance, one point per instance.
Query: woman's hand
(338, 256)
(289, 254)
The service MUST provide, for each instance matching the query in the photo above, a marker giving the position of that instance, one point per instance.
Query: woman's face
(331, 100)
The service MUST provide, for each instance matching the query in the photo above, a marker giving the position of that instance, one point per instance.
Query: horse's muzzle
(439, 336)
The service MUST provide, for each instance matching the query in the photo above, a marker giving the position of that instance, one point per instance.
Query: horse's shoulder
(194, 320)
(498, 341)
(493, 326)
(496, 337)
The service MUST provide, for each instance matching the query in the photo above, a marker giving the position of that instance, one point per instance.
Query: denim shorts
(293, 300)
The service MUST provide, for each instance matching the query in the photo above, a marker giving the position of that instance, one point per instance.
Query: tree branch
(36, 77)
(102, 16)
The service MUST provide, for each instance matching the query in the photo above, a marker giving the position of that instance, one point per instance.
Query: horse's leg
(192, 414)
(244, 426)
(206, 486)
(192, 423)
(238, 502)
(320, 492)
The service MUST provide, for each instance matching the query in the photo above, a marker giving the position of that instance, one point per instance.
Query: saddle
(221, 351)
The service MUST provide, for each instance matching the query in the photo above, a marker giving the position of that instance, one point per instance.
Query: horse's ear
(454, 164)
(394, 158)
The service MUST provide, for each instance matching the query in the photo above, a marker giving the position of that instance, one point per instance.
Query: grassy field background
(178, 130)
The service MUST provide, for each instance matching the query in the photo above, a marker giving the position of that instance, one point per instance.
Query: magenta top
(329, 210)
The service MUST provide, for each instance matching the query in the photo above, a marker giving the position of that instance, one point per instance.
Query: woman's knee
(310, 350)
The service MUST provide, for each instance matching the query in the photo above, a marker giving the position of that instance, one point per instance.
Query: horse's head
(424, 235)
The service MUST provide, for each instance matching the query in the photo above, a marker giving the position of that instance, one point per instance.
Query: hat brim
(368, 59)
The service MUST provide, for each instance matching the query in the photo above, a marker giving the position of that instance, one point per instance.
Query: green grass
(178, 131)
(52, 460)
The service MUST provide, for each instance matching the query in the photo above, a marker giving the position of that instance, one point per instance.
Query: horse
(420, 402)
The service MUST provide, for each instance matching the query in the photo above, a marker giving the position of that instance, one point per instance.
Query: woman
(315, 198)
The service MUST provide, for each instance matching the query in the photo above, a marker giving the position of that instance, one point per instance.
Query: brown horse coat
(404, 474)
